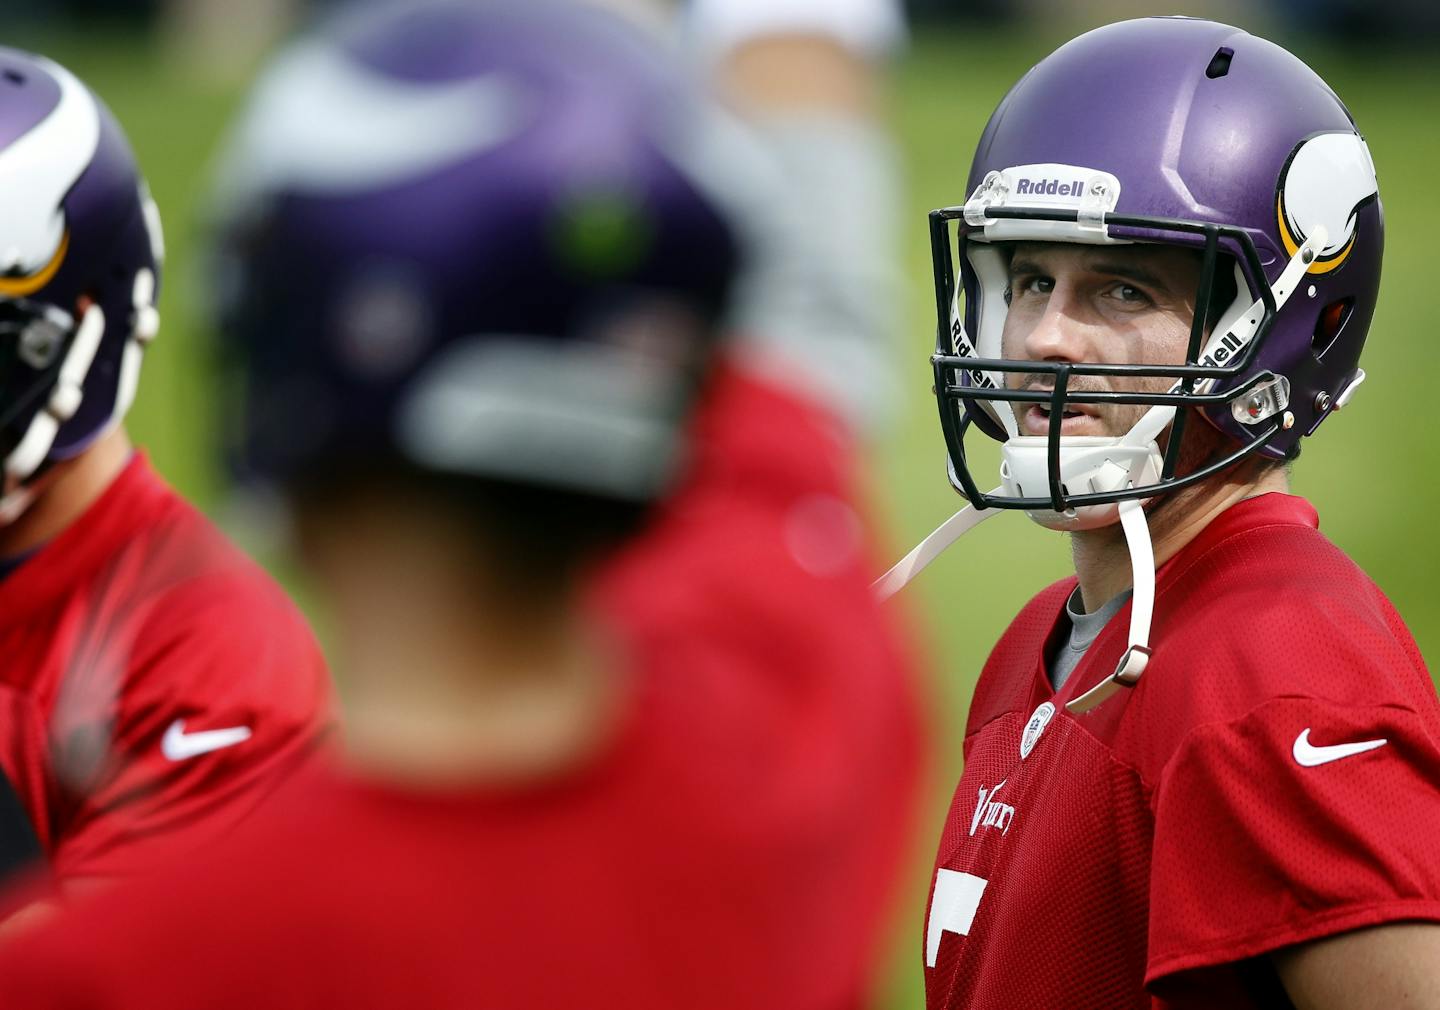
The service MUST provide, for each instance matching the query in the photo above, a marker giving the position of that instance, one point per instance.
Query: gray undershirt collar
(1084, 629)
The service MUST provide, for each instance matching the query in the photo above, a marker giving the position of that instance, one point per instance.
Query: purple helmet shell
(474, 236)
(1182, 131)
(80, 252)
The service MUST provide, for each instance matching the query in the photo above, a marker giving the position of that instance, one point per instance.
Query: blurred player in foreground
(479, 256)
(1215, 783)
(154, 684)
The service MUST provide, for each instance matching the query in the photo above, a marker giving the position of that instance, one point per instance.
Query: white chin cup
(1089, 464)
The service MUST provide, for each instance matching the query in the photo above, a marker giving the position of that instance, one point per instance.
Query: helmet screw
(1322, 402)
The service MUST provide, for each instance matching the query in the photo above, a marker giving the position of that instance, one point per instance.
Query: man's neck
(453, 669)
(64, 492)
(459, 714)
(1102, 556)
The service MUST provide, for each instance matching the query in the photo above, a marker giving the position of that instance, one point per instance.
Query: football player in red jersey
(1204, 771)
(480, 256)
(154, 683)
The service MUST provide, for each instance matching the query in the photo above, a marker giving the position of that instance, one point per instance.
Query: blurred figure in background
(154, 683)
(819, 306)
(626, 727)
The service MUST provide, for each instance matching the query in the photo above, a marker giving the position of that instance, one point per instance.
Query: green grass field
(1371, 472)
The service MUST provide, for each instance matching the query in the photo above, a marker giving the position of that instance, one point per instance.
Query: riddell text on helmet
(1048, 187)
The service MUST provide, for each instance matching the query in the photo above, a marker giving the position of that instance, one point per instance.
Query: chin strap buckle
(1127, 674)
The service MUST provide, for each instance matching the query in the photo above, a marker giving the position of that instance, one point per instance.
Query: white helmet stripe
(38, 169)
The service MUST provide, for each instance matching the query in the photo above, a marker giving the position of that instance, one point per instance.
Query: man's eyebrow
(1130, 272)
(1021, 266)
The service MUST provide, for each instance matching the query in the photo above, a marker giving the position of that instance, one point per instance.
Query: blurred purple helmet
(479, 238)
(1180, 131)
(80, 252)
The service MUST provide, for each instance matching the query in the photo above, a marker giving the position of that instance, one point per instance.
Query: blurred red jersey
(733, 846)
(154, 684)
(1270, 780)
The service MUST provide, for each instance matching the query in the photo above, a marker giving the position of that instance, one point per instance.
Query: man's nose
(1058, 335)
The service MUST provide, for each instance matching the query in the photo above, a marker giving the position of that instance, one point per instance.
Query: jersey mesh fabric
(733, 846)
(1082, 875)
(139, 615)
(1263, 631)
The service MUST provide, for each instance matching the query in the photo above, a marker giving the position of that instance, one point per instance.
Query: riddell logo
(1230, 346)
(1048, 187)
(965, 349)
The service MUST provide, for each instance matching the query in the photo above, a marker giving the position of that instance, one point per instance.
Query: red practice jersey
(1271, 779)
(154, 684)
(733, 846)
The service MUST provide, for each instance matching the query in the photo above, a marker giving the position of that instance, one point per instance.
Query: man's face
(1102, 304)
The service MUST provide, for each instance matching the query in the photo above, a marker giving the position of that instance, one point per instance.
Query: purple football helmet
(479, 238)
(1177, 131)
(80, 252)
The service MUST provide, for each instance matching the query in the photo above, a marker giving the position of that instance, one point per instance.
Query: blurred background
(173, 72)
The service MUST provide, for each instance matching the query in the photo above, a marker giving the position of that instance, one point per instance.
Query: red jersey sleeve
(221, 692)
(1300, 819)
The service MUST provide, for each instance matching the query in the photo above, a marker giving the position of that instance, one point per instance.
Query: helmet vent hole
(1220, 63)
(1330, 323)
(14, 76)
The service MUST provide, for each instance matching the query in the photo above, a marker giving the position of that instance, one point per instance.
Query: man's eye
(1131, 294)
(1029, 285)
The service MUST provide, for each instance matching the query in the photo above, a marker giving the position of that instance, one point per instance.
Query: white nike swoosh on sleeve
(178, 745)
(1309, 755)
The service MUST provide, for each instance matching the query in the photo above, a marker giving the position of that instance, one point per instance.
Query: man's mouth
(1075, 419)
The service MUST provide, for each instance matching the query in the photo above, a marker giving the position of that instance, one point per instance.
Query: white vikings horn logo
(1327, 180)
(36, 172)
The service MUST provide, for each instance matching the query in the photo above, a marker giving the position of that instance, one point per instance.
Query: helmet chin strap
(1099, 454)
(1131, 514)
(1142, 608)
(930, 548)
(1099, 465)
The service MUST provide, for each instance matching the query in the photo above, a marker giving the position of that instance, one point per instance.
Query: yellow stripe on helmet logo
(19, 287)
(1322, 264)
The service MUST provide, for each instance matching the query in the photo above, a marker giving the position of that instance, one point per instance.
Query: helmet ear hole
(1329, 325)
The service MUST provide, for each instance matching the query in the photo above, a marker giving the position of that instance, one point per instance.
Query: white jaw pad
(1088, 465)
